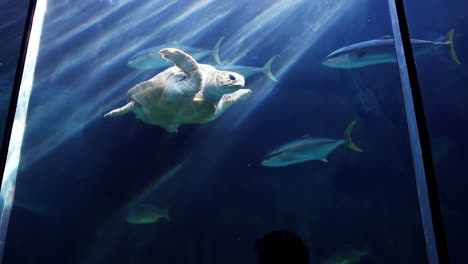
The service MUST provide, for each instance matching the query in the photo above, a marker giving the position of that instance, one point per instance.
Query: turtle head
(227, 82)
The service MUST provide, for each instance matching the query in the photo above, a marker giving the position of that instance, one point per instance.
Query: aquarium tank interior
(212, 131)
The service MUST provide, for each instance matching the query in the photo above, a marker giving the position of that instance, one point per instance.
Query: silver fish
(150, 58)
(248, 71)
(306, 149)
(382, 50)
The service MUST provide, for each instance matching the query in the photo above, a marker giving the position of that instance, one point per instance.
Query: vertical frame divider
(427, 188)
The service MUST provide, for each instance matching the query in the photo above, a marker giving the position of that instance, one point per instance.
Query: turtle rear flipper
(122, 110)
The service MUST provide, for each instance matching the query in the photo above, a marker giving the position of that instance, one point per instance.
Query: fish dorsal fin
(386, 37)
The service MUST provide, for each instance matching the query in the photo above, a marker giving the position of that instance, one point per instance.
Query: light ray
(300, 45)
(213, 21)
(155, 185)
(190, 11)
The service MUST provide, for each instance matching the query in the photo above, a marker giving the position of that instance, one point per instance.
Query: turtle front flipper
(228, 99)
(122, 110)
(185, 62)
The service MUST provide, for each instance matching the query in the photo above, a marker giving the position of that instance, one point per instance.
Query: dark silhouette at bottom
(282, 247)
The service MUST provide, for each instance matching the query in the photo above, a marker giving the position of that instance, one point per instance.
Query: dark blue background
(71, 199)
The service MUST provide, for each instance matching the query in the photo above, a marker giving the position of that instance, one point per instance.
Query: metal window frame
(9, 152)
(16, 87)
(426, 182)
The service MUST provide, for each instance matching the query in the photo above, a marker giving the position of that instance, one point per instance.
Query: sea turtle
(187, 93)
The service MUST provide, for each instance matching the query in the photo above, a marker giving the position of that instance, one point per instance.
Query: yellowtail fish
(306, 149)
(382, 50)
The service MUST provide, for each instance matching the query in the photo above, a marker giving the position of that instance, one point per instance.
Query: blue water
(80, 173)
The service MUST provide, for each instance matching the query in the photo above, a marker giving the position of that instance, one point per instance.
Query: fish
(352, 257)
(146, 214)
(248, 71)
(382, 50)
(305, 149)
(149, 59)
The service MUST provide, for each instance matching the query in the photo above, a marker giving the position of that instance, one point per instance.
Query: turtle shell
(167, 100)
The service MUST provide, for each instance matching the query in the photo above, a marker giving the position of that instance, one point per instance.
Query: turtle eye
(232, 77)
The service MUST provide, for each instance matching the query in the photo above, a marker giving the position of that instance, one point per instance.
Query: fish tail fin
(449, 42)
(267, 68)
(216, 51)
(348, 140)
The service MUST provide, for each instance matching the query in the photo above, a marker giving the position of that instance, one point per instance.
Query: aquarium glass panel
(13, 15)
(280, 133)
(439, 33)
